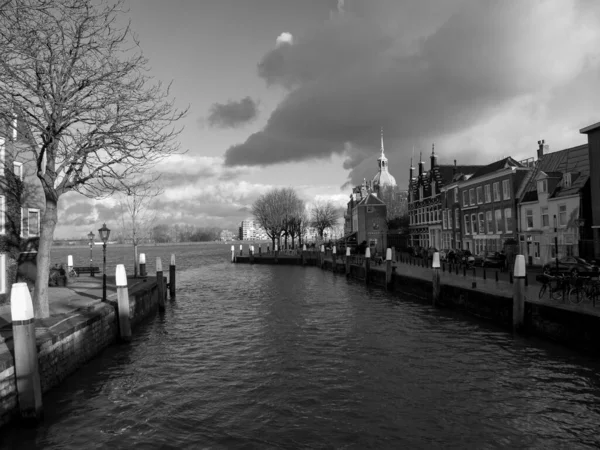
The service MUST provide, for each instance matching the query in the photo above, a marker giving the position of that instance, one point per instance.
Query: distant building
(250, 230)
(383, 178)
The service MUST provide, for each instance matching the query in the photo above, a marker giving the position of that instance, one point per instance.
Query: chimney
(540, 152)
(454, 169)
(421, 163)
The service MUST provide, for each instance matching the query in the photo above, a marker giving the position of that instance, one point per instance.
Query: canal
(252, 356)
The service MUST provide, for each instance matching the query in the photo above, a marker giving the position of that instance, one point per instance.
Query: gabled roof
(443, 175)
(574, 160)
(496, 166)
(371, 199)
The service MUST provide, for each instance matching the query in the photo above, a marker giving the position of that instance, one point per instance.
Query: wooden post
(143, 264)
(27, 375)
(322, 255)
(304, 254)
(241, 250)
(276, 251)
(172, 282)
(388, 269)
(69, 266)
(123, 304)
(160, 287)
(394, 255)
(435, 265)
(348, 256)
(474, 282)
(259, 249)
(251, 253)
(232, 254)
(496, 276)
(367, 264)
(333, 259)
(519, 293)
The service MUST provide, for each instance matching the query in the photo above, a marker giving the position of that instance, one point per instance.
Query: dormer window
(542, 186)
(567, 180)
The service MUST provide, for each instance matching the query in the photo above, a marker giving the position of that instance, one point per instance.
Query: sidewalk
(82, 293)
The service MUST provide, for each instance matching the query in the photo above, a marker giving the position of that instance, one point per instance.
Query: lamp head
(104, 233)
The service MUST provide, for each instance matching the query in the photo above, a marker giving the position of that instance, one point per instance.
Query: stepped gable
(574, 160)
(443, 174)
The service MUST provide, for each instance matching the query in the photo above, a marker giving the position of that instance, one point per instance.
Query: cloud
(233, 113)
(446, 75)
(284, 38)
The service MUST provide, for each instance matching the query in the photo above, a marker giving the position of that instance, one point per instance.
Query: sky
(295, 93)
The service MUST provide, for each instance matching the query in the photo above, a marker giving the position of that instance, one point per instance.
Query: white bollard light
(519, 266)
(172, 259)
(142, 258)
(334, 250)
(304, 247)
(142, 264)
(70, 260)
(347, 251)
(388, 254)
(436, 261)
(368, 252)
(158, 264)
(322, 248)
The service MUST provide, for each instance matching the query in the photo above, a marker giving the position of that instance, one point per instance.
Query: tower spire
(381, 140)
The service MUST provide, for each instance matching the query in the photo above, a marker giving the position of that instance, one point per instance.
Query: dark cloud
(233, 113)
(360, 72)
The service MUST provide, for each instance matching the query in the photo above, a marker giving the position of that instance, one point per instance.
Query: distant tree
(91, 114)
(161, 233)
(273, 210)
(324, 214)
(137, 216)
(295, 220)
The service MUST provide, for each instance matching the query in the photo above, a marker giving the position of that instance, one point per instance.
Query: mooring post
(435, 265)
(143, 264)
(347, 262)
(388, 269)
(260, 250)
(172, 282)
(123, 304)
(69, 266)
(322, 256)
(276, 252)
(160, 288)
(333, 259)
(519, 293)
(241, 251)
(367, 264)
(232, 254)
(303, 254)
(496, 276)
(251, 253)
(27, 375)
(474, 283)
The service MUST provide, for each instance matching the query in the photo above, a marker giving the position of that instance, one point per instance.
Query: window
(2, 155)
(536, 248)
(33, 222)
(481, 223)
(18, 170)
(479, 195)
(529, 218)
(488, 193)
(506, 189)
(2, 273)
(508, 220)
(496, 187)
(498, 213)
(456, 195)
(545, 218)
(444, 220)
(474, 223)
(542, 186)
(467, 224)
(567, 180)
(457, 217)
(490, 222)
(457, 239)
(471, 196)
(562, 215)
(465, 199)
(449, 219)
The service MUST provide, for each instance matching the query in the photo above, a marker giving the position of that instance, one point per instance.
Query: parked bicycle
(584, 289)
(556, 286)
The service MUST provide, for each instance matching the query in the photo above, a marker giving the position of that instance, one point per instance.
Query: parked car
(479, 258)
(494, 259)
(571, 264)
(466, 257)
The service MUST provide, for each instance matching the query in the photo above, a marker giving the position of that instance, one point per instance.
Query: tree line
(285, 216)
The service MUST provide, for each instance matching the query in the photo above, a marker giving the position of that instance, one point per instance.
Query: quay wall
(68, 344)
(575, 328)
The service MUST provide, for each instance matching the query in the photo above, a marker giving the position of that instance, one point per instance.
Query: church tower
(383, 177)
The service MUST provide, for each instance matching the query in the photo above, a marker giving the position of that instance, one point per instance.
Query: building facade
(593, 223)
(250, 230)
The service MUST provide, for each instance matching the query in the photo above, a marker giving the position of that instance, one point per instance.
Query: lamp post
(104, 234)
(91, 237)
(556, 242)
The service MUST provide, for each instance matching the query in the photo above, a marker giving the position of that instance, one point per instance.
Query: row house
(480, 211)
(592, 224)
(21, 201)
(425, 201)
(553, 206)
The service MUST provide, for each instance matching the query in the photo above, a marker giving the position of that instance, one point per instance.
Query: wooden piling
(123, 304)
(367, 264)
(519, 293)
(160, 284)
(388, 269)
(172, 281)
(347, 262)
(143, 273)
(435, 265)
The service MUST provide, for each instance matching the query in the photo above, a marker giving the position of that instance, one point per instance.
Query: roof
(443, 174)
(496, 166)
(371, 199)
(574, 160)
(590, 128)
(384, 178)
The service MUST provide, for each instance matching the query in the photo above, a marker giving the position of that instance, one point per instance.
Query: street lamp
(556, 242)
(104, 234)
(91, 238)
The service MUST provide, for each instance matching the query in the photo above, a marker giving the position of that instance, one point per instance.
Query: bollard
(241, 250)
(123, 304)
(143, 264)
(172, 282)
(474, 282)
(276, 252)
(259, 249)
(69, 266)
(436, 279)
(394, 255)
(496, 276)
(232, 254)
(388, 269)
(456, 265)
(304, 254)
(443, 267)
(27, 375)
(333, 259)
(322, 255)
(526, 280)
(367, 264)
(510, 277)
(464, 271)
(251, 253)
(484, 276)
(160, 286)
(347, 261)
(519, 293)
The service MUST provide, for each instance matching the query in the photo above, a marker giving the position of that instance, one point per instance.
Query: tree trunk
(41, 307)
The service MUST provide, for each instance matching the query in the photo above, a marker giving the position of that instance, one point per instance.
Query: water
(291, 357)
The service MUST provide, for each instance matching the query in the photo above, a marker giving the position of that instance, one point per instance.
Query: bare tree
(137, 215)
(268, 211)
(294, 222)
(324, 215)
(91, 114)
